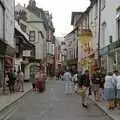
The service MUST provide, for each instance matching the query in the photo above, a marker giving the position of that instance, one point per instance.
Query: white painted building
(35, 28)
(109, 32)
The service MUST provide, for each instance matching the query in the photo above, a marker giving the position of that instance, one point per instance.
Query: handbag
(81, 91)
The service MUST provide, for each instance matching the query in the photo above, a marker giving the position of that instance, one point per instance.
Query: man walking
(84, 84)
(11, 81)
(68, 85)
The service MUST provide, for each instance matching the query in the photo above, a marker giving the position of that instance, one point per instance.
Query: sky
(61, 11)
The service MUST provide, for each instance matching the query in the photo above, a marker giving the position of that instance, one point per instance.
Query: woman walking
(40, 80)
(96, 81)
(109, 90)
(20, 81)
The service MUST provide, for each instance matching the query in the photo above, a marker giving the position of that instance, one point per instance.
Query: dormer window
(32, 3)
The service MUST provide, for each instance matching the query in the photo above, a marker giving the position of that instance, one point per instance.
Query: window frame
(32, 31)
(103, 4)
(2, 6)
(96, 10)
(40, 34)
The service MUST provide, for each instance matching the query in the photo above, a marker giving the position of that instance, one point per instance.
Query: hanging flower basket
(85, 36)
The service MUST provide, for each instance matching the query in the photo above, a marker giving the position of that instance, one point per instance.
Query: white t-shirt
(67, 76)
(75, 79)
(118, 82)
(109, 82)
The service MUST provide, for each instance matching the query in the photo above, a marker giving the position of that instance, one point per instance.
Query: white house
(110, 34)
(108, 11)
(35, 28)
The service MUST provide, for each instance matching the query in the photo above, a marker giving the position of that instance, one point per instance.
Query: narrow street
(55, 105)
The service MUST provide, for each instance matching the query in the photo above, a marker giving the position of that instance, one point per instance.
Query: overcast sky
(61, 11)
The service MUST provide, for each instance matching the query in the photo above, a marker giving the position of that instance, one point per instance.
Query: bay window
(32, 36)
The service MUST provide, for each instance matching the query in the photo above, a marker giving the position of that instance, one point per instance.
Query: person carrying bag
(84, 84)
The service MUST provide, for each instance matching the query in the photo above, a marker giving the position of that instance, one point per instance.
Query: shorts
(96, 87)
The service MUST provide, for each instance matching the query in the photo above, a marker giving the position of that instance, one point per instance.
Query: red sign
(8, 62)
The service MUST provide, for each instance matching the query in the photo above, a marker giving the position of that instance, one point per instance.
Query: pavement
(7, 100)
(54, 104)
(113, 114)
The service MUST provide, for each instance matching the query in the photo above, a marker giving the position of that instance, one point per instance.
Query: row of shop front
(7, 55)
(110, 57)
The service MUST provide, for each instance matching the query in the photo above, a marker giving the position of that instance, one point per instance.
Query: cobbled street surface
(53, 104)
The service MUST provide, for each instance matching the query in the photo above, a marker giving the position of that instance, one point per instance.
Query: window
(103, 2)
(119, 29)
(40, 35)
(91, 16)
(1, 22)
(32, 36)
(23, 27)
(96, 10)
(103, 33)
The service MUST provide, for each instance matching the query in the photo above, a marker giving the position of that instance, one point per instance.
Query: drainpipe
(99, 57)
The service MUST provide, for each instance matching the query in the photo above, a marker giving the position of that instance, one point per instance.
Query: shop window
(118, 59)
(32, 36)
(1, 22)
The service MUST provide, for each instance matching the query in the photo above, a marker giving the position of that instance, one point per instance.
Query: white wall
(35, 23)
(9, 21)
(108, 15)
(40, 45)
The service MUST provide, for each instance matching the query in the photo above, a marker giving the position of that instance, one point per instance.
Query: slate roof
(39, 12)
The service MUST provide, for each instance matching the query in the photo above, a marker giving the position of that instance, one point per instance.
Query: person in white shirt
(68, 84)
(109, 90)
(115, 74)
(75, 81)
(118, 89)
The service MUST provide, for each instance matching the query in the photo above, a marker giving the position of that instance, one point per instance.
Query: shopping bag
(76, 87)
(81, 91)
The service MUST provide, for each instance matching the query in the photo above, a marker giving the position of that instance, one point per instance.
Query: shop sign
(26, 53)
(8, 62)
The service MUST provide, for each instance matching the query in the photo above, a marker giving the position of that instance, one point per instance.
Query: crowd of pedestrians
(105, 87)
(14, 81)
